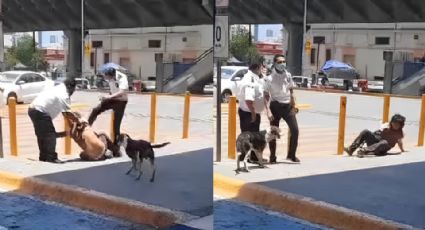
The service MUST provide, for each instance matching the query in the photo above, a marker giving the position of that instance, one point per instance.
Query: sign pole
(221, 51)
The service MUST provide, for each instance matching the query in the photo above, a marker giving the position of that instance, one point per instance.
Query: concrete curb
(301, 207)
(130, 210)
(357, 93)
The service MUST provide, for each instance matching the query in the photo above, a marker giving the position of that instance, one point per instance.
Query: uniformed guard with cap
(281, 105)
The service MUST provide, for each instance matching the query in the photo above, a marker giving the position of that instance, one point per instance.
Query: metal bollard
(67, 138)
(422, 123)
(386, 109)
(341, 128)
(232, 128)
(111, 130)
(186, 115)
(12, 127)
(152, 126)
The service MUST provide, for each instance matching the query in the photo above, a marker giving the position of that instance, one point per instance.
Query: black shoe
(293, 159)
(349, 151)
(55, 161)
(272, 160)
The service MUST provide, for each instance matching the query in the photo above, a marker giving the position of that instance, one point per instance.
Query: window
(52, 39)
(313, 56)
(106, 58)
(91, 59)
(269, 33)
(38, 78)
(328, 54)
(319, 40)
(416, 37)
(159, 57)
(154, 43)
(382, 40)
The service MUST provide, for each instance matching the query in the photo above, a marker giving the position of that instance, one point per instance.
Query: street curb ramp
(301, 207)
(130, 210)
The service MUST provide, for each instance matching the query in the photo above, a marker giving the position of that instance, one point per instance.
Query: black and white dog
(254, 141)
(138, 150)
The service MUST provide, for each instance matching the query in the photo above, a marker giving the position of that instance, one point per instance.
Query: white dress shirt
(278, 86)
(251, 89)
(119, 82)
(52, 101)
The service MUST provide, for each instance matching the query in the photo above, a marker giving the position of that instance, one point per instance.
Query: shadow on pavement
(183, 181)
(391, 192)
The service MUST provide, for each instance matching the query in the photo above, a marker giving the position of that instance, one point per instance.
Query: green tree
(244, 50)
(25, 52)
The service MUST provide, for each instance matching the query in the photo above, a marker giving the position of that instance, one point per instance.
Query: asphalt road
(230, 214)
(26, 213)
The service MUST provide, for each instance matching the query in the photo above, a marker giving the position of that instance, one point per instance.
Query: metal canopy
(326, 11)
(44, 15)
(29, 15)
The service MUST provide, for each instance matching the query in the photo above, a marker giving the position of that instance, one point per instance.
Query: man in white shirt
(116, 100)
(251, 100)
(48, 105)
(279, 92)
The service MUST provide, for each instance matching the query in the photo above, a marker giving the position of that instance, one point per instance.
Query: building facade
(137, 49)
(362, 45)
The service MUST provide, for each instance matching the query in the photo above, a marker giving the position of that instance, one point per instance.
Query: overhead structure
(326, 11)
(48, 15)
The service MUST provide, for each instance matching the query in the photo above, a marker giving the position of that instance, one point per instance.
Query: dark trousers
(283, 111)
(375, 144)
(247, 125)
(46, 134)
(117, 106)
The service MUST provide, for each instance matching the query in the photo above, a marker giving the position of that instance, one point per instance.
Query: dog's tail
(160, 145)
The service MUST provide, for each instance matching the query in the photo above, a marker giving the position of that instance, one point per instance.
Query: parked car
(22, 85)
(230, 79)
(149, 84)
(82, 83)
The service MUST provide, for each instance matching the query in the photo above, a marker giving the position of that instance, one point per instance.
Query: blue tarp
(335, 64)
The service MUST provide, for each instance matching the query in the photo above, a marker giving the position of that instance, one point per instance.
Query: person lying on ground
(380, 141)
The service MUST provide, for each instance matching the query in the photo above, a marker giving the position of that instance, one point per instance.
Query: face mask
(280, 68)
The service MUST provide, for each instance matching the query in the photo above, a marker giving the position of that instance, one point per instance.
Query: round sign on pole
(221, 37)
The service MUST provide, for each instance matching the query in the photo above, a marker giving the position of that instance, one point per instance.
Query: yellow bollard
(232, 128)
(186, 115)
(422, 123)
(67, 138)
(152, 126)
(386, 110)
(111, 131)
(12, 126)
(341, 129)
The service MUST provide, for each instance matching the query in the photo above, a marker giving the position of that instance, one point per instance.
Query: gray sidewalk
(389, 187)
(183, 179)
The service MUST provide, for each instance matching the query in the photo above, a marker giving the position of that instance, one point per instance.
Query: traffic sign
(221, 37)
(308, 46)
(87, 48)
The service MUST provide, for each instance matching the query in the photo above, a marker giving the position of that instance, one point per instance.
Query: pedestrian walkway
(314, 139)
(27, 141)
